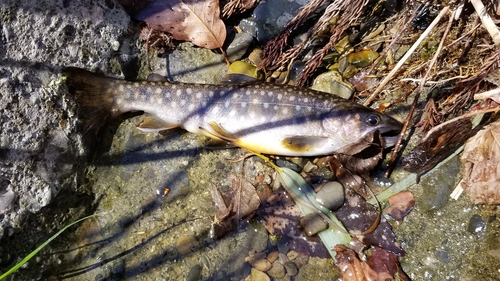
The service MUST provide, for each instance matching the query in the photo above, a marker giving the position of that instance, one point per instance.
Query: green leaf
(32, 254)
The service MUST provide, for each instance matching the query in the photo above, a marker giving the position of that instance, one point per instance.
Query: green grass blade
(32, 254)
(304, 197)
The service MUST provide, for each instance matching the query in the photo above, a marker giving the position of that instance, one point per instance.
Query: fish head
(354, 124)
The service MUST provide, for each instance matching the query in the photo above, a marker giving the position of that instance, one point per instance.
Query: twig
(487, 21)
(492, 94)
(397, 147)
(395, 38)
(424, 35)
(440, 82)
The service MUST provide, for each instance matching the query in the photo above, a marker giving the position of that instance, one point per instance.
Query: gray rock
(331, 195)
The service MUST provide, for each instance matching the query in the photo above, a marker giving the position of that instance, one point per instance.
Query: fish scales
(261, 117)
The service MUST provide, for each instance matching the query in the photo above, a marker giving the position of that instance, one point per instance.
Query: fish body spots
(158, 91)
(191, 107)
(189, 91)
(121, 88)
(178, 92)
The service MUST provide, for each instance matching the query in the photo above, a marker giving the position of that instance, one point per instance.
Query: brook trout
(260, 117)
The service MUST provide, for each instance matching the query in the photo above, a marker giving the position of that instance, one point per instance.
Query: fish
(260, 117)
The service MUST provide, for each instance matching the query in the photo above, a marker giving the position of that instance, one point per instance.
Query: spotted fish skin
(261, 117)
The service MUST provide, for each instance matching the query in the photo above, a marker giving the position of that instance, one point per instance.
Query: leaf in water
(381, 266)
(481, 162)
(189, 20)
(243, 198)
(240, 201)
(281, 217)
(401, 205)
(386, 264)
(351, 268)
(221, 209)
(358, 216)
(437, 144)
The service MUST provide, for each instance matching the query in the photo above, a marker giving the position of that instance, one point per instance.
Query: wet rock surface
(46, 180)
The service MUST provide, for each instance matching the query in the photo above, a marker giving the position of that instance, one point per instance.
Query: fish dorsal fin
(152, 123)
(303, 143)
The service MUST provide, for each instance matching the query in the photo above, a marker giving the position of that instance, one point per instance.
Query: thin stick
(395, 39)
(487, 21)
(492, 94)
(405, 57)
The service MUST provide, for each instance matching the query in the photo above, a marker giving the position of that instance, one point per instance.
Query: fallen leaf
(240, 201)
(281, 217)
(386, 264)
(358, 216)
(243, 198)
(437, 144)
(221, 209)
(351, 268)
(189, 20)
(401, 205)
(481, 164)
(382, 265)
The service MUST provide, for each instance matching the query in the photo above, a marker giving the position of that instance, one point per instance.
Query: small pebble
(272, 256)
(331, 196)
(186, 245)
(309, 167)
(291, 268)
(257, 275)
(277, 270)
(292, 255)
(301, 260)
(476, 224)
(262, 265)
(282, 247)
(312, 224)
(195, 273)
(254, 257)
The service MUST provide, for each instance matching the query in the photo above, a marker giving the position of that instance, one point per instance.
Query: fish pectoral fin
(219, 133)
(303, 143)
(152, 123)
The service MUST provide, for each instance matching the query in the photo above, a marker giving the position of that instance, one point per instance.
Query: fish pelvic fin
(93, 94)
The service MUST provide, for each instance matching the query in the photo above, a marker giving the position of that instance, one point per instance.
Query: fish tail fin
(94, 96)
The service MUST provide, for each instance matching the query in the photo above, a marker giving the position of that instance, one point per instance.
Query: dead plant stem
(424, 35)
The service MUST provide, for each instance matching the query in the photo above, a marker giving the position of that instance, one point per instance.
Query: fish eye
(372, 119)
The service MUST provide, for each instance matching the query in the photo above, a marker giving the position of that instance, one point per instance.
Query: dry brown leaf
(243, 197)
(481, 162)
(189, 20)
(351, 268)
(401, 205)
(221, 210)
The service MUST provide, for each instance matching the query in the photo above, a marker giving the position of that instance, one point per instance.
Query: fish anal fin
(152, 123)
(303, 143)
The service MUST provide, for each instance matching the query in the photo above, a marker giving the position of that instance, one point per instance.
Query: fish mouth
(390, 137)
